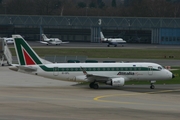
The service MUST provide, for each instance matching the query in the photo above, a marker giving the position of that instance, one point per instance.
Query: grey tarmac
(29, 97)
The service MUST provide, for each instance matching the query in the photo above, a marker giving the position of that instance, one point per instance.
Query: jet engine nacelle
(116, 82)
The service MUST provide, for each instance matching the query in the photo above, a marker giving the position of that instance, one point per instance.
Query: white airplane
(114, 74)
(53, 41)
(8, 40)
(112, 41)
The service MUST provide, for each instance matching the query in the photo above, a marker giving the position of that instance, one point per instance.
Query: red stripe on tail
(28, 59)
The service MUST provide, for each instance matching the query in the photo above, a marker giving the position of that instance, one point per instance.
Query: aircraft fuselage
(128, 71)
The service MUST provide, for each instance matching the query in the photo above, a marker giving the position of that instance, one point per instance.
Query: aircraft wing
(98, 78)
(92, 77)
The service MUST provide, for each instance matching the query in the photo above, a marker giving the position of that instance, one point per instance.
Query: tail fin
(25, 54)
(44, 37)
(101, 36)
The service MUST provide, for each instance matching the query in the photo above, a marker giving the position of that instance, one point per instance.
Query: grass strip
(109, 53)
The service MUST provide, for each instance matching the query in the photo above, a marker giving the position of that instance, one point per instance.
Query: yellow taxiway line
(100, 98)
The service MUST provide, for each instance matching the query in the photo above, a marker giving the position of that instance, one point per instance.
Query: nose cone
(169, 74)
(173, 76)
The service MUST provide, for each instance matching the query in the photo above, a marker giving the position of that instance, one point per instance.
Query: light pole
(5, 8)
(86, 11)
(129, 24)
(62, 10)
(69, 21)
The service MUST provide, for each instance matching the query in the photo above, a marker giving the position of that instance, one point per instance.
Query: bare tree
(19, 7)
(47, 7)
(135, 8)
(159, 8)
(176, 9)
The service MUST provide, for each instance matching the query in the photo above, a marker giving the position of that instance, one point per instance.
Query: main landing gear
(109, 45)
(114, 45)
(152, 85)
(94, 85)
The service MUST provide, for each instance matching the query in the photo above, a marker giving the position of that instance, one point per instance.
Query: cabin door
(150, 70)
(55, 71)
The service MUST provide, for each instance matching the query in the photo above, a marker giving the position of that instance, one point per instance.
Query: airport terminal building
(87, 28)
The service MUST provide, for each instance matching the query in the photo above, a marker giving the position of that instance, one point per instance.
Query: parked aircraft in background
(112, 41)
(114, 74)
(53, 41)
(8, 40)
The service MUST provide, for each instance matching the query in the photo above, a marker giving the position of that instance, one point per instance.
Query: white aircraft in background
(112, 41)
(114, 74)
(53, 41)
(8, 40)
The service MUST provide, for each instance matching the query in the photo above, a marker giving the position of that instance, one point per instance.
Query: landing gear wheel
(152, 86)
(115, 45)
(108, 45)
(91, 85)
(95, 86)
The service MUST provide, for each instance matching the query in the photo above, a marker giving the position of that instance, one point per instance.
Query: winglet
(84, 71)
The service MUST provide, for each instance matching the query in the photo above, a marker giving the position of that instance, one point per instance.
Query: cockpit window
(160, 68)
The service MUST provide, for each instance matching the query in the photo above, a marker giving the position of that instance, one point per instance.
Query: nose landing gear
(152, 85)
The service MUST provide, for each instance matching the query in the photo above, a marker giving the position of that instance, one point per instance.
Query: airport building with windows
(87, 28)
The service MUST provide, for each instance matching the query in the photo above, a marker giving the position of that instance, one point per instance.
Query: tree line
(116, 8)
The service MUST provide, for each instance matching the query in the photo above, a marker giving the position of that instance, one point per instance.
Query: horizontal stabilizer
(28, 68)
(16, 67)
